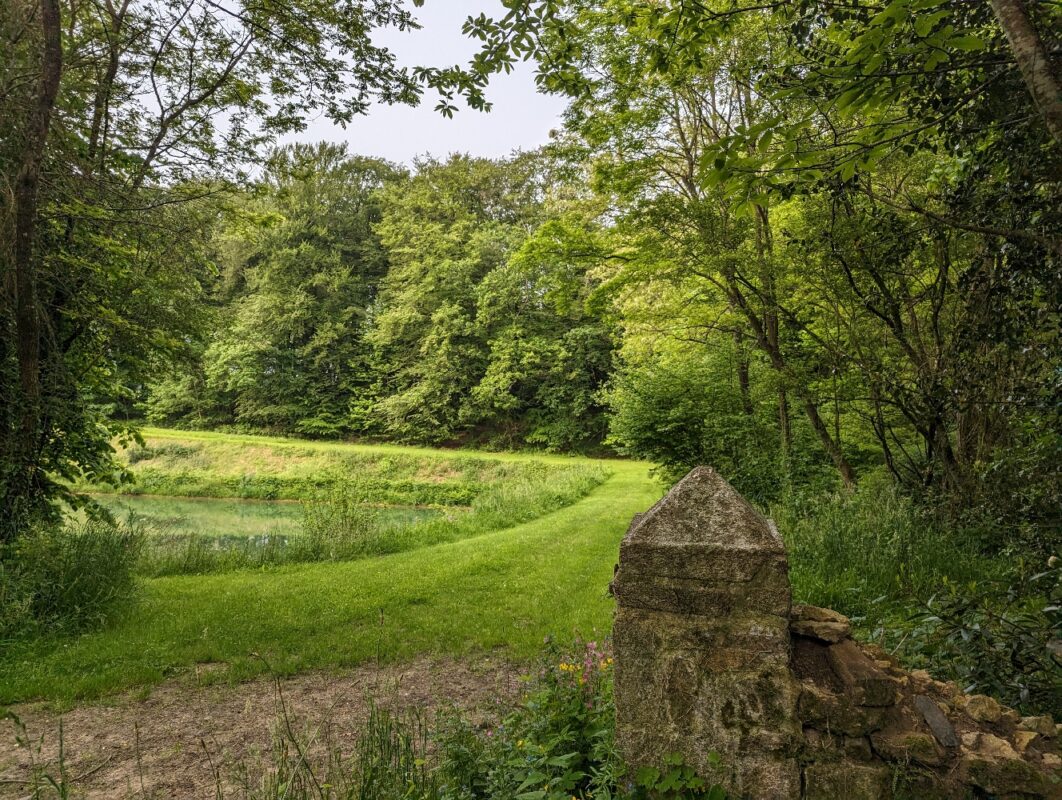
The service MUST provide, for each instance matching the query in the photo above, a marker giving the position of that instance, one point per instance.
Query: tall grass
(389, 762)
(342, 525)
(858, 552)
(930, 594)
(263, 471)
(67, 577)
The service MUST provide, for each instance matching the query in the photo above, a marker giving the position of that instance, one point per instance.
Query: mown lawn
(504, 589)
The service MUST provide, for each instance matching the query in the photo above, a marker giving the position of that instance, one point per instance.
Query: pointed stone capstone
(702, 641)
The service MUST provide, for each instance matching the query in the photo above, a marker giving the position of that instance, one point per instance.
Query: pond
(229, 519)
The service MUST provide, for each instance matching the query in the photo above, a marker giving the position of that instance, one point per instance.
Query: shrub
(69, 577)
(997, 637)
(339, 526)
(929, 592)
(556, 744)
(175, 450)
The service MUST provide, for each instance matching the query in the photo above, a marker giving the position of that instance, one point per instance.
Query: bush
(67, 577)
(998, 637)
(556, 744)
(176, 450)
(680, 411)
(930, 593)
(339, 526)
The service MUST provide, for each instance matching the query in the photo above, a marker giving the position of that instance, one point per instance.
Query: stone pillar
(701, 641)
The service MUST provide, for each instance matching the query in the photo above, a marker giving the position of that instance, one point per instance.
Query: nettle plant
(559, 743)
(677, 781)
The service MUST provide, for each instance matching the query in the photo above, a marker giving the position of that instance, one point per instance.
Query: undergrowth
(929, 593)
(66, 577)
(555, 743)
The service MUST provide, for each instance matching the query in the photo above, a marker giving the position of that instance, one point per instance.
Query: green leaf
(848, 97)
(647, 777)
(966, 43)
(924, 23)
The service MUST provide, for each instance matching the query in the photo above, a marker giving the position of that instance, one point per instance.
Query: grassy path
(503, 589)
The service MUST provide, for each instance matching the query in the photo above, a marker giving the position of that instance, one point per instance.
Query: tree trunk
(20, 497)
(785, 425)
(774, 353)
(1033, 61)
(831, 445)
(744, 384)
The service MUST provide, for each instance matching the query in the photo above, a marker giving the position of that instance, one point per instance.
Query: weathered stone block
(702, 640)
(983, 708)
(1045, 725)
(858, 748)
(1009, 776)
(937, 721)
(907, 746)
(846, 781)
(860, 676)
(734, 640)
(1022, 740)
(836, 713)
(819, 623)
(768, 594)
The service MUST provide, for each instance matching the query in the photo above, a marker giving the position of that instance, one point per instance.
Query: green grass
(861, 553)
(495, 589)
(504, 576)
(191, 464)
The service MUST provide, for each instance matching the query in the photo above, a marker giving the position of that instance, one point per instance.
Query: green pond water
(228, 519)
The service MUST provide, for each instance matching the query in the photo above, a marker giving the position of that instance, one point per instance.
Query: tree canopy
(810, 241)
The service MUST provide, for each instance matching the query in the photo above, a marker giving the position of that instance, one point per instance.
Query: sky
(520, 119)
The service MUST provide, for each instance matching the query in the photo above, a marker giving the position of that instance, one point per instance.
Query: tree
(114, 114)
(482, 329)
(445, 231)
(906, 140)
(300, 266)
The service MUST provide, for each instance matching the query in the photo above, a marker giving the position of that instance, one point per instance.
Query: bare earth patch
(174, 742)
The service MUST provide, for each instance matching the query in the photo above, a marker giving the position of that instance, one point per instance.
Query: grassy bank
(494, 588)
(348, 499)
(200, 464)
(344, 525)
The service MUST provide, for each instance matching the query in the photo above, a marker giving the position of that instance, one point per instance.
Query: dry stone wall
(712, 657)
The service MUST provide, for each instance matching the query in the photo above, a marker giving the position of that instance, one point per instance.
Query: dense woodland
(816, 245)
(800, 243)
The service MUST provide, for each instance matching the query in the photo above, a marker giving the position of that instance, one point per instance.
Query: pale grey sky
(521, 118)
